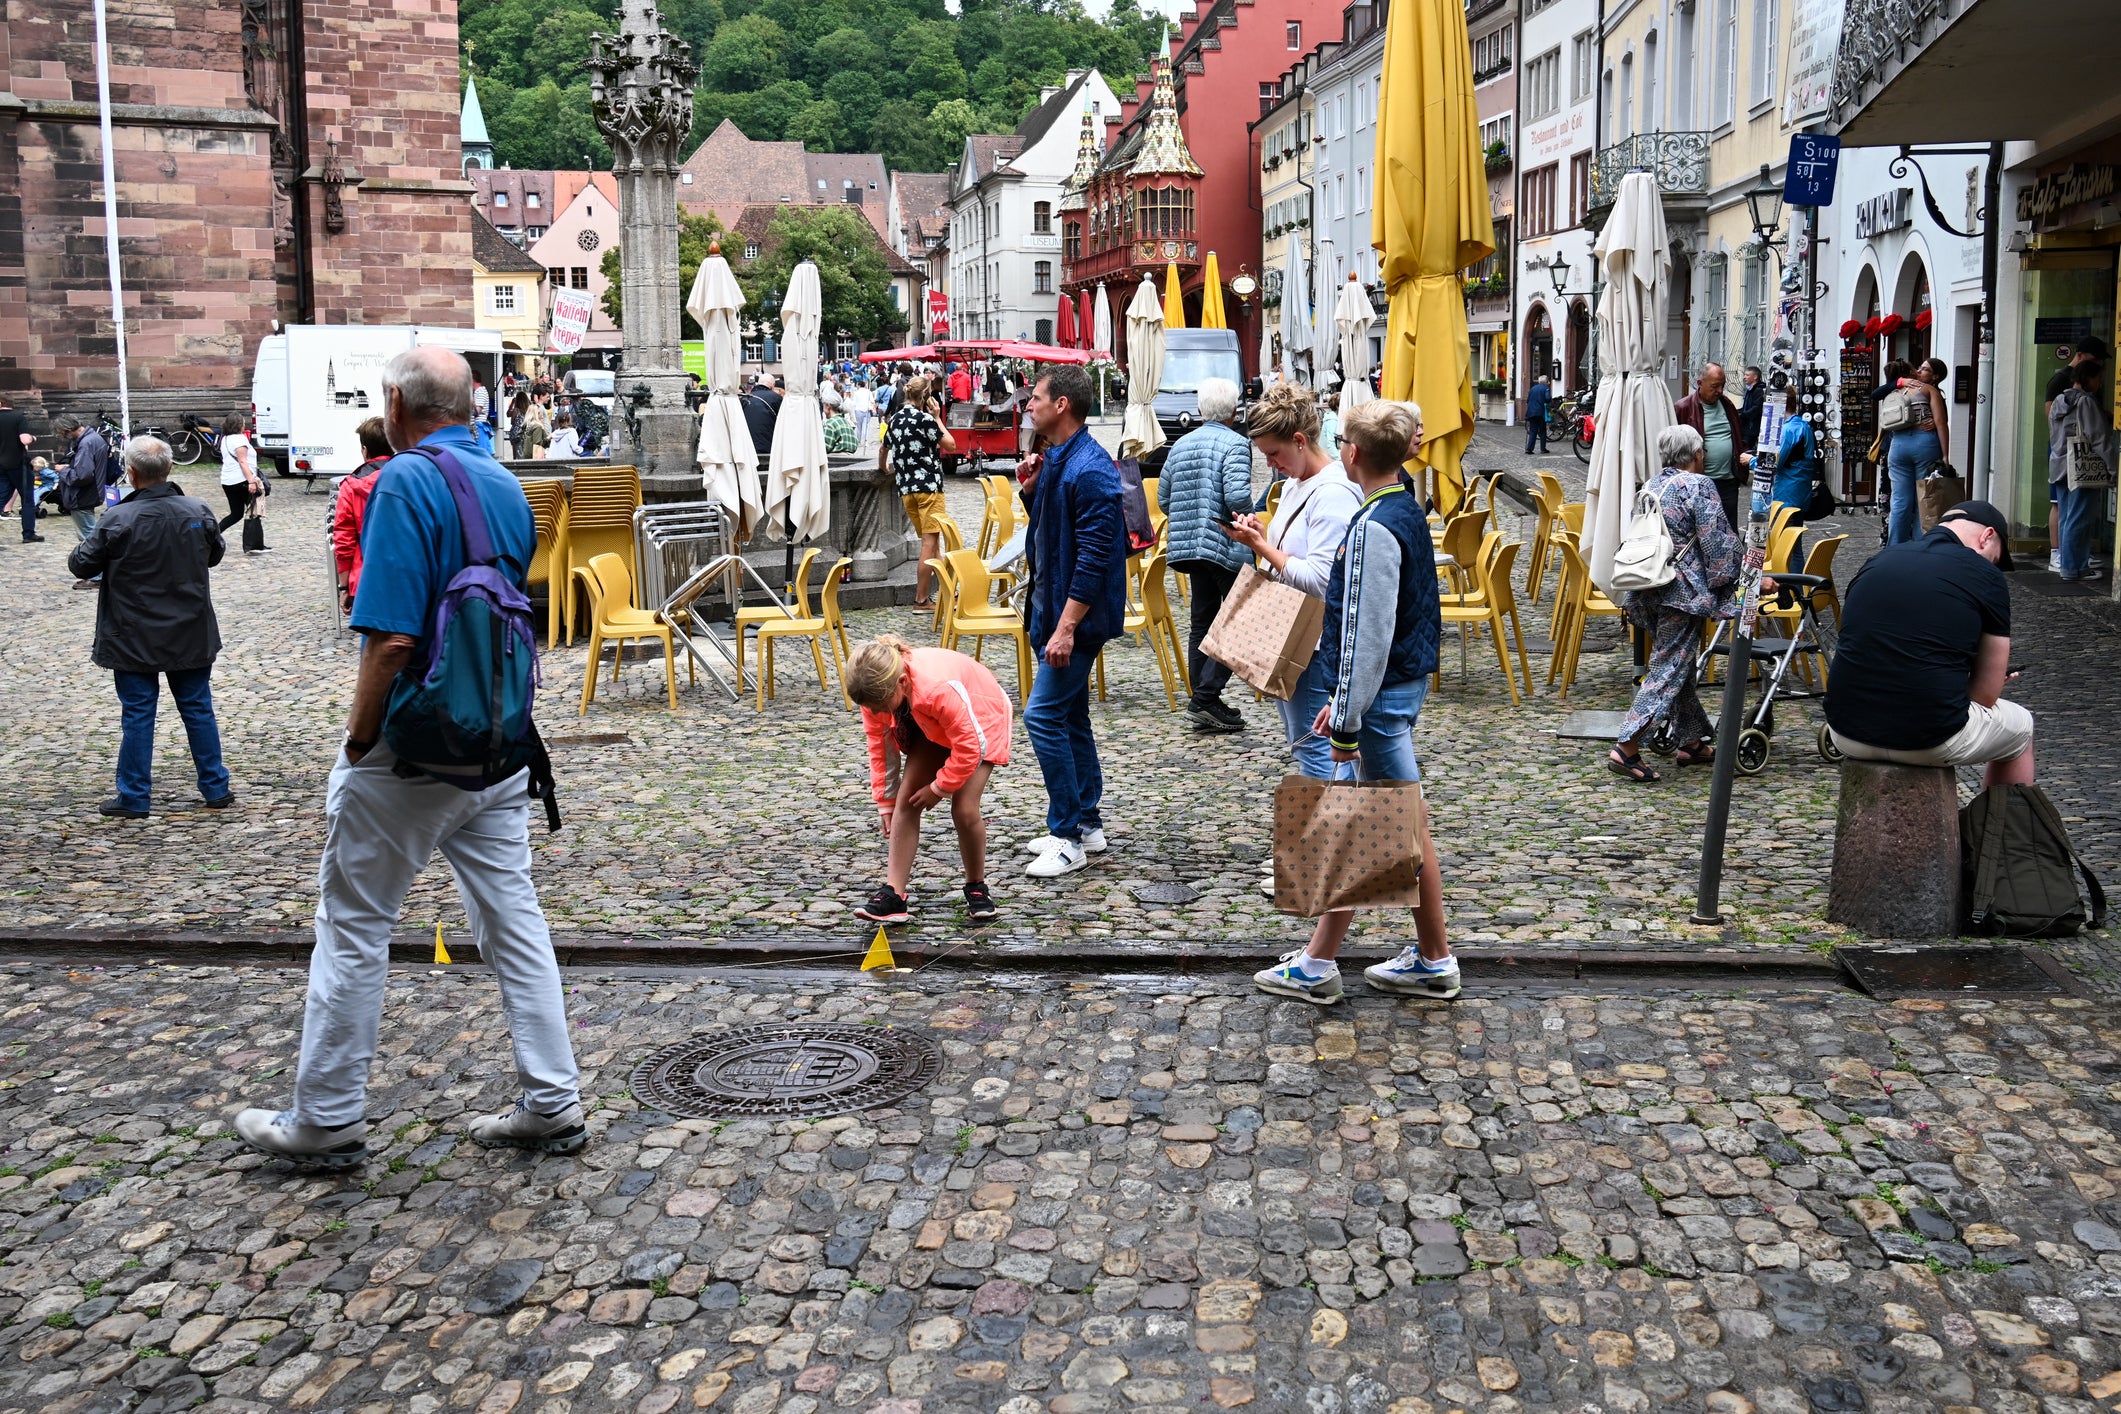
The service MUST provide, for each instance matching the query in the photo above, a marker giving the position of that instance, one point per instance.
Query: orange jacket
(958, 705)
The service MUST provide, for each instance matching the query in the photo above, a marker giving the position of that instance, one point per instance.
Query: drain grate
(1889, 973)
(786, 1072)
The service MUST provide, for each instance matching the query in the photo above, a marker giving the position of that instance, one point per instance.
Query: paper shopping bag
(1265, 633)
(1934, 495)
(1346, 844)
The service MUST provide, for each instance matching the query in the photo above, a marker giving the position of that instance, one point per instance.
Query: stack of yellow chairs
(826, 627)
(1150, 615)
(1461, 540)
(599, 522)
(1493, 600)
(1574, 604)
(1547, 503)
(548, 504)
(998, 518)
(613, 615)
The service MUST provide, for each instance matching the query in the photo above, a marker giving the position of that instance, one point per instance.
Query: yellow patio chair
(1542, 544)
(1461, 540)
(613, 615)
(973, 615)
(1498, 602)
(1572, 517)
(1575, 604)
(754, 617)
(827, 627)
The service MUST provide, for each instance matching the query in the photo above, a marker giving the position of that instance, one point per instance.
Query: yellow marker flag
(441, 953)
(879, 953)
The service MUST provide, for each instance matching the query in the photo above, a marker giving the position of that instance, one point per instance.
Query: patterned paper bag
(1265, 633)
(1346, 844)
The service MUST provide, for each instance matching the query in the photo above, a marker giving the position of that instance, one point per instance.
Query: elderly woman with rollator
(1704, 586)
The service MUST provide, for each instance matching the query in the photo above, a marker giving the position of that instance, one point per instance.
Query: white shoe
(1287, 979)
(1412, 975)
(1065, 857)
(2054, 562)
(1093, 842)
(524, 1128)
(278, 1134)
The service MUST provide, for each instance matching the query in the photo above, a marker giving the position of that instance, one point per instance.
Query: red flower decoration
(1891, 325)
(1851, 328)
(1874, 325)
(1922, 320)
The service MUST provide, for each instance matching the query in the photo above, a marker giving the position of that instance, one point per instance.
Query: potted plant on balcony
(1498, 157)
(1489, 403)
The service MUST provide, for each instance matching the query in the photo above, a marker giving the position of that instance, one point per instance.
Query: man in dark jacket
(1077, 544)
(1725, 459)
(155, 615)
(762, 409)
(86, 472)
(1749, 410)
(1536, 404)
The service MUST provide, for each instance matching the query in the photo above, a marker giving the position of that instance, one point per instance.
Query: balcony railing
(1878, 37)
(1678, 162)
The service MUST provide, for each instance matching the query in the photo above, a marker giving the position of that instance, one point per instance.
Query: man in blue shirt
(1536, 404)
(1077, 544)
(386, 818)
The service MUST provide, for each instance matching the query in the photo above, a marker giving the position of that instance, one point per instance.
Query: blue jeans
(1057, 719)
(138, 694)
(1386, 742)
(1314, 755)
(1906, 459)
(24, 484)
(2075, 511)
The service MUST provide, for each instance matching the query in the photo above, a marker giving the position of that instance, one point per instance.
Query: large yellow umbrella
(1430, 221)
(1211, 297)
(1174, 299)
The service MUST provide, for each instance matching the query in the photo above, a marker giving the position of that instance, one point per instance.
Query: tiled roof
(494, 251)
(991, 151)
(730, 167)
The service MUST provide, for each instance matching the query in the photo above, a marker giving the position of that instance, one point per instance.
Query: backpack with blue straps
(464, 715)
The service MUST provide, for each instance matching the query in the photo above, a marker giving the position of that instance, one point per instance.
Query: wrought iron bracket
(1898, 170)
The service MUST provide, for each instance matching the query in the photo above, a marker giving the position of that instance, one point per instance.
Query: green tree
(548, 126)
(745, 55)
(903, 136)
(773, 110)
(819, 126)
(695, 235)
(950, 123)
(858, 96)
(854, 281)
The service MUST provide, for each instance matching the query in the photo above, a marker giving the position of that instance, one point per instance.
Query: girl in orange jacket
(938, 724)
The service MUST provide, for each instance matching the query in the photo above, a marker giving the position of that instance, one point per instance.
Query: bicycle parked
(1572, 420)
(200, 440)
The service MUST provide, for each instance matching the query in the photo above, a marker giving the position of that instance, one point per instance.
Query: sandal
(1631, 766)
(1701, 753)
(924, 603)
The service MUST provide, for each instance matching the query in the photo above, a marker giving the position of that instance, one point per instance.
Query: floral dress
(1704, 587)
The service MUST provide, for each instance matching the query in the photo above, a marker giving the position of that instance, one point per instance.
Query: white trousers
(380, 831)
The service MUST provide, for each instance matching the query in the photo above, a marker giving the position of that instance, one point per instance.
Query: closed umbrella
(1266, 350)
(1431, 221)
(1086, 321)
(798, 490)
(1325, 337)
(1174, 299)
(1295, 308)
(1351, 323)
(1064, 324)
(1634, 404)
(728, 462)
(1211, 297)
(1101, 340)
(1139, 433)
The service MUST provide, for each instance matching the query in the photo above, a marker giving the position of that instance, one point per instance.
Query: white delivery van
(314, 384)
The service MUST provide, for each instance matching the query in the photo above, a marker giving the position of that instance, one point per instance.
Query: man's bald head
(425, 388)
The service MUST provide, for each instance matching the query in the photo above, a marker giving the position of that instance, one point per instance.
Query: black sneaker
(119, 810)
(1229, 714)
(1209, 722)
(979, 904)
(220, 804)
(32, 539)
(886, 906)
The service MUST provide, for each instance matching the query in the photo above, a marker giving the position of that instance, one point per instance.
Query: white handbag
(1647, 559)
(2090, 468)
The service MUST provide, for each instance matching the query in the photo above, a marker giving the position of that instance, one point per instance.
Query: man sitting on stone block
(1925, 654)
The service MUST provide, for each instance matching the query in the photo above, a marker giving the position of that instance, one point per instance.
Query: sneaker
(2054, 562)
(119, 810)
(1208, 721)
(1065, 857)
(979, 904)
(524, 1128)
(32, 539)
(220, 804)
(886, 905)
(1228, 713)
(1093, 842)
(1412, 975)
(278, 1134)
(1286, 979)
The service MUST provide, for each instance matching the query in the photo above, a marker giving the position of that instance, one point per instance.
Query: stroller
(1772, 658)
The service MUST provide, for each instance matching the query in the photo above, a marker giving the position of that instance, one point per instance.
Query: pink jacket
(958, 705)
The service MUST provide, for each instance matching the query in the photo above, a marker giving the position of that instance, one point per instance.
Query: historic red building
(276, 160)
(1224, 73)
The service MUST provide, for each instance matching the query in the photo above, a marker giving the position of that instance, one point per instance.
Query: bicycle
(197, 442)
(1571, 420)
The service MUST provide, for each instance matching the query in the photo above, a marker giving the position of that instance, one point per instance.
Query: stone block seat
(1896, 851)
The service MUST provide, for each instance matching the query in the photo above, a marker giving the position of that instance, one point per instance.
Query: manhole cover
(1167, 893)
(1888, 973)
(786, 1072)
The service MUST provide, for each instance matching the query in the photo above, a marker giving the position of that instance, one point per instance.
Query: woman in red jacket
(351, 505)
(938, 724)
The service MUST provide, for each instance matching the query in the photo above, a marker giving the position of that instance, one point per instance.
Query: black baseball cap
(1982, 513)
(2092, 345)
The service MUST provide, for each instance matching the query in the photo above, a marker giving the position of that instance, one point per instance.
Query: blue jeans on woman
(1909, 456)
(2074, 512)
(138, 694)
(1314, 756)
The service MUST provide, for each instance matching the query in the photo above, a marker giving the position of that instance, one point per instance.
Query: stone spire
(1163, 151)
(1088, 152)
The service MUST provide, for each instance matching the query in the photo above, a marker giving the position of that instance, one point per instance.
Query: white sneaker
(1093, 842)
(524, 1128)
(1286, 979)
(1065, 857)
(2054, 562)
(278, 1134)
(1411, 974)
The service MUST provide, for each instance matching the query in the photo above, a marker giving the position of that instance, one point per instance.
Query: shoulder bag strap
(478, 544)
(2045, 809)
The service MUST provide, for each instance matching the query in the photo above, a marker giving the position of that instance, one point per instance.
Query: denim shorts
(1387, 737)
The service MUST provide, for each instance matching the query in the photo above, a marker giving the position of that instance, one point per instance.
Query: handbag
(1346, 844)
(1647, 559)
(1939, 489)
(1822, 504)
(1265, 632)
(253, 530)
(2090, 468)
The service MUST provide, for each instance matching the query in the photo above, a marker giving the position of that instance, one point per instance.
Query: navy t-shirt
(412, 544)
(1911, 626)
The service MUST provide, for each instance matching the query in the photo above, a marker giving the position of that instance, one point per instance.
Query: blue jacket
(1207, 478)
(1077, 543)
(1535, 402)
(1384, 616)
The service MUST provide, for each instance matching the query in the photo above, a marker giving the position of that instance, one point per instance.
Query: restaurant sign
(2053, 200)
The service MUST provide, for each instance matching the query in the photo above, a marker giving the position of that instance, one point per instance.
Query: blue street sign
(1814, 161)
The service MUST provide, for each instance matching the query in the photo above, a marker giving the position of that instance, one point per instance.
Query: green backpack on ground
(2021, 871)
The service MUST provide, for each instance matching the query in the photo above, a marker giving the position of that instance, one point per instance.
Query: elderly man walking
(155, 619)
(386, 817)
(1206, 482)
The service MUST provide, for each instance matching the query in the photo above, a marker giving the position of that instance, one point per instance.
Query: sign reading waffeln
(570, 321)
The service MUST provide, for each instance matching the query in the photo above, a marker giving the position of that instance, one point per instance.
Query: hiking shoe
(279, 1135)
(1287, 979)
(1208, 721)
(1228, 713)
(222, 803)
(1065, 857)
(886, 905)
(979, 904)
(524, 1128)
(119, 810)
(1093, 842)
(1412, 975)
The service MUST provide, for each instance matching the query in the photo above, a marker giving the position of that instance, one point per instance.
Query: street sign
(1814, 161)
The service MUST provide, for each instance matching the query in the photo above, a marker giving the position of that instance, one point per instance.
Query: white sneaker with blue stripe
(1288, 978)
(1411, 974)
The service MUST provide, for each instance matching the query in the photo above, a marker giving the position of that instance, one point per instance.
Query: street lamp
(1765, 204)
(1557, 268)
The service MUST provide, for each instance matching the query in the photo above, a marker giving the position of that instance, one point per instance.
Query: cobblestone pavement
(1147, 1194)
(716, 821)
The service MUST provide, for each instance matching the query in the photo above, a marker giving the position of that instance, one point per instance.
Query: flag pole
(110, 218)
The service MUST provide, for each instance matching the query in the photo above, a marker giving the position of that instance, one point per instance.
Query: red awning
(917, 351)
(1040, 353)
